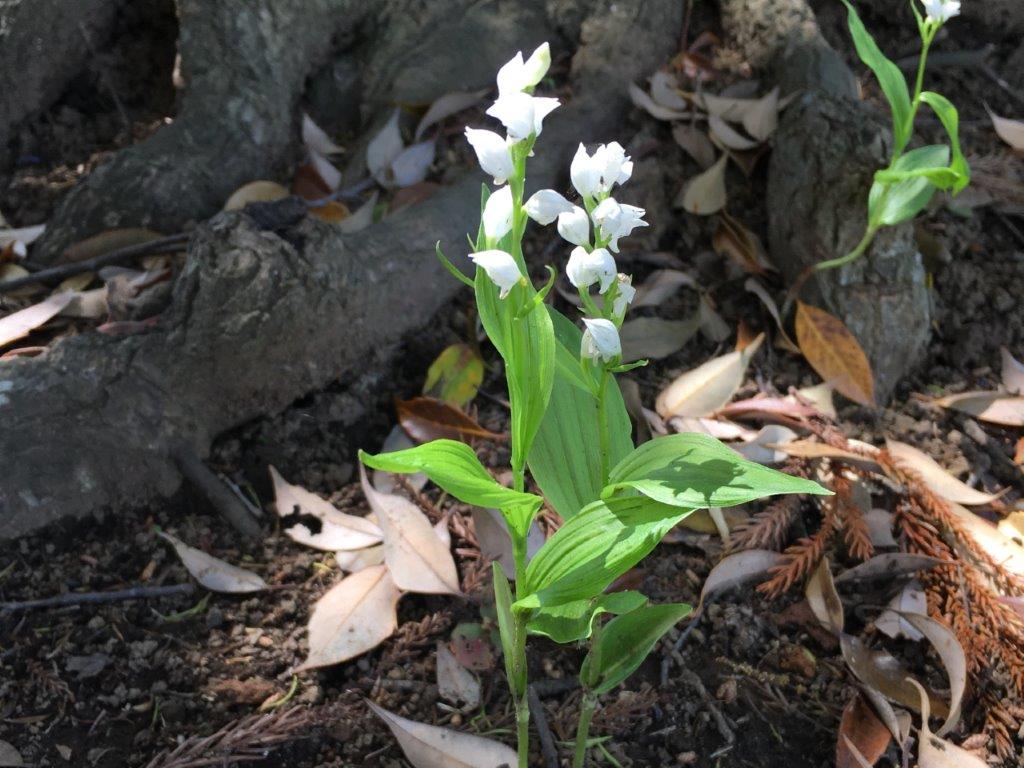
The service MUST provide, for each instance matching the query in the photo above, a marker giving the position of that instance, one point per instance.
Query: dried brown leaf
(835, 353)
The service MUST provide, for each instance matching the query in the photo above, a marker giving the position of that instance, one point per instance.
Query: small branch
(540, 719)
(169, 244)
(216, 492)
(80, 598)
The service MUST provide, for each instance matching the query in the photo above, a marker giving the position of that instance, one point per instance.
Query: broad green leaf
(696, 471)
(565, 459)
(626, 641)
(893, 84)
(506, 622)
(453, 466)
(569, 622)
(890, 204)
(594, 548)
(943, 178)
(947, 113)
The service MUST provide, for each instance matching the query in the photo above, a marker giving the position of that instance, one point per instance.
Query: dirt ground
(754, 686)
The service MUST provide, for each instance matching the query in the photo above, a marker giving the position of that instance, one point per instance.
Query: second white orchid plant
(569, 426)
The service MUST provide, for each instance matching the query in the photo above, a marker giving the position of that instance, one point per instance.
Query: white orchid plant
(902, 190)
(569, 426)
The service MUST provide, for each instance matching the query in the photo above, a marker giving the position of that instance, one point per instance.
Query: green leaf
(454, 467)
(947, 113)
(455, 375)
(696, 471)
(626, 641)
(893, 84)
(890, 204)
(565, 459)
(594, 548)
(506, 622)
(569, 622)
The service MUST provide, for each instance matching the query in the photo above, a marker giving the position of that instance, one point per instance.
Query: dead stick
(216, 492)
(117, 595)
(161, 245)
(540, 719)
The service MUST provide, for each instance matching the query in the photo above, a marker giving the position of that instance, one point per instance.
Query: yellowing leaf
(213, 573)
(332, 212)
(255, 192)
(353, 617)
(707, 388)
(419, 561)
(935, 477)
(705, 193)
(835, 354)
(427, 746)
(330, 529)
(455, 375)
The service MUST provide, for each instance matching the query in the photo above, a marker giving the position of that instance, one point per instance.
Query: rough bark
(42, 46)
(826, 150)
(260, 317)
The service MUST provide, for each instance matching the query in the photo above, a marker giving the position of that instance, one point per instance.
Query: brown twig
(540, 720)
(169, 244)
(117, 595)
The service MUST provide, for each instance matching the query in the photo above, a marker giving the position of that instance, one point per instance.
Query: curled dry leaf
(718, 428)
(651, 338)
(819, 396)
(695, 143)
(707, 388)
(768, 408)
(665, 91)
(213, 573)
(729, 137)
(455, 683)
(642, 100)
(731, 108)
(316, 139)
(18, 325)
(362, 218)
(935, 477)
(765, 447)
(325, 169)
(954, 661)
(910, 599)
(888, 566)
(835, 354)
(353, 617)
(733, 240)
(879, 669)
(495, 541)
(711, 324)
(255, 192)
(661, 285)
(810, 449)
(384, 147)
(862, 733)
(446, 106)
(1010, 131)
(427, 746)
(934, 751)
(705, 193)
(418, 559)
(1013, 373)
(336, 530)
(413, 163)
(824, 600)
(1000, 546)
(427, 418)
(738, 569)
(782, 341)
(761, 120)
(994, 407)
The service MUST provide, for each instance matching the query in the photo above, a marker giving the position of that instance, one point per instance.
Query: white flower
(593, 175)
(584, 269)
(497, 218)
(492, 152)
(545, 205)
(941, 10)
(521, 113)
(615, 220)
(517, 75)
(624, 296)
(574, 226)
(600, 340)
(500, 267)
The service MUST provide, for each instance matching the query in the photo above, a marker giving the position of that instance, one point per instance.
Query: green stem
(518, 689)
(523, 732)
(602, 427)
(583, 729)
(858, 250)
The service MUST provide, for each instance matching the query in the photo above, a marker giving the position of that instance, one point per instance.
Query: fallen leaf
(455, 683)
(255, 192)
(661, 285)
(888, 566)
(23, 235)
(695, 143)
(417, 558)
(735, 241)
(316, 139)
(819, 396)
(455, 375)
(1013, 373)
(353, 617)
(495, 541)
(711, 324)
(729, 108)
(767, 446)
(385, 482)
(309, 184)
(934, 751)
(1010, 131)
(11, 271)
(665, 91)
(783, 341)
(325, 170)
(9, 756)
(764, 407)
(738, 569)
(427, 418)
(355, 560)
(427, 746)
(954, 661)
(705, 389)
(936, 477)
(994, 407)
(728, 136)
(19, 324)
(824, 600)
(88, 304)
(446, 106)
(384, 147)
(860, 732)
(761, 120)
(362, 218)
(718, 428)
(412, 164)
(651, 338)
(810, 449)
(336, 530)
(1002, 548)
(412, 195)
(105, 242)
(835, 354)
(878, 669)
(212, 573)
(642, 100)
(880, 525)
(332, 212)
(472, 647)
(910, 599)
(705, 193)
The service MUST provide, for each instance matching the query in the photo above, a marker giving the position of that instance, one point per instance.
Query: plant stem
(602, 427)
(518, 686)
(583, 729)
(858, 250)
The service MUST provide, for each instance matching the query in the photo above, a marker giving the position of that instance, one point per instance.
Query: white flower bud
(941, 10)
(500, 267)
(584, 269)
(521, 113)
(600, 340)
(595, 175)
(545, 205)
(624, 296)
(574, 226)
(492, 152)
(516, 75)
(497, 217)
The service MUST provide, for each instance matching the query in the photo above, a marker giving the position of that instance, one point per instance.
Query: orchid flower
(521, 113)
(545, 206)
(600, 340)
(617, 220)
(516, 75)
(584, 269)
(941, 11)
(574, 226)
(500, 267)
(492, 152)
(594, 175)
(497, 216)
(624, 296)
